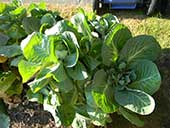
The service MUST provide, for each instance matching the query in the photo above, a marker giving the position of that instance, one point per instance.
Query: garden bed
(28, 114)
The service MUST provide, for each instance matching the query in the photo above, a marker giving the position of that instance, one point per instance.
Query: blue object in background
(122, 4)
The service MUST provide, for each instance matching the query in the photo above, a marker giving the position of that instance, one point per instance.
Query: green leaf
(6, 81)
(69, 96)
(100, 25)
(72, 45)
(135, 101)
(103, 93)
(133, 118)
(66, 85)
(2, 7)
(39, 48)
(66, 113)
(148, 77)
(91, 62)
(35, 97)
(16, 61)
(10, 50)
(3, 39)
(80, 23)
(110, 18)
(140, 47)
(81, 109)
(15, 32)
(60, 27)
(59, 73)
(27, 69)
(109, 55)
(78, 72)
(97, 116)
(4, 118)
(100, 78)
(18, 11)
(114, 41)
(31, 24)
(38, 84)
(48, 19)
(15, 89)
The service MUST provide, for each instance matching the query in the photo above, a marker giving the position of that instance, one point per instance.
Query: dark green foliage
(92, 62)
(16, 22)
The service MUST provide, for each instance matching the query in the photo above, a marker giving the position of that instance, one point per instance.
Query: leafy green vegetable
(93, 63)
(16, 22)
(81, 70)
(4, 118)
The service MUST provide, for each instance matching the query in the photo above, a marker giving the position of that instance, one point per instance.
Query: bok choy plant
(84, 69)
(16, 22)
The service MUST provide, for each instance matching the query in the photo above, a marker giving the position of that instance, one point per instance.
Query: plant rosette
(84, 69)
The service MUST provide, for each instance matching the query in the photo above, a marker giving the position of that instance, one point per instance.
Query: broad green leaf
(81, 109)
(4, 118)
(65, 86)
(31, 24)
(66, 113)
(103, 93)
(72, 45)
(91, 62)
(133, 118)
(111, 19)
(3, 39)
(78, 72)
(15, 89)
(113, 42)
(100, 78)
(140, 47)
(2, 7)
(60, 27)
(121, 36)
(27, 69)
(48, 19)
(97, 116)
(16, 61)
(38, 84)
(104, 99)
(59, 73)
(109, 55)
(80, 22)
(100, 25)
(15, 32)
(6, 80)
(70, 98)
(89, 97)
(148, 77)
(135, 101)
(39, 48)
(10, 50)
(18, 11)
(35, 97)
